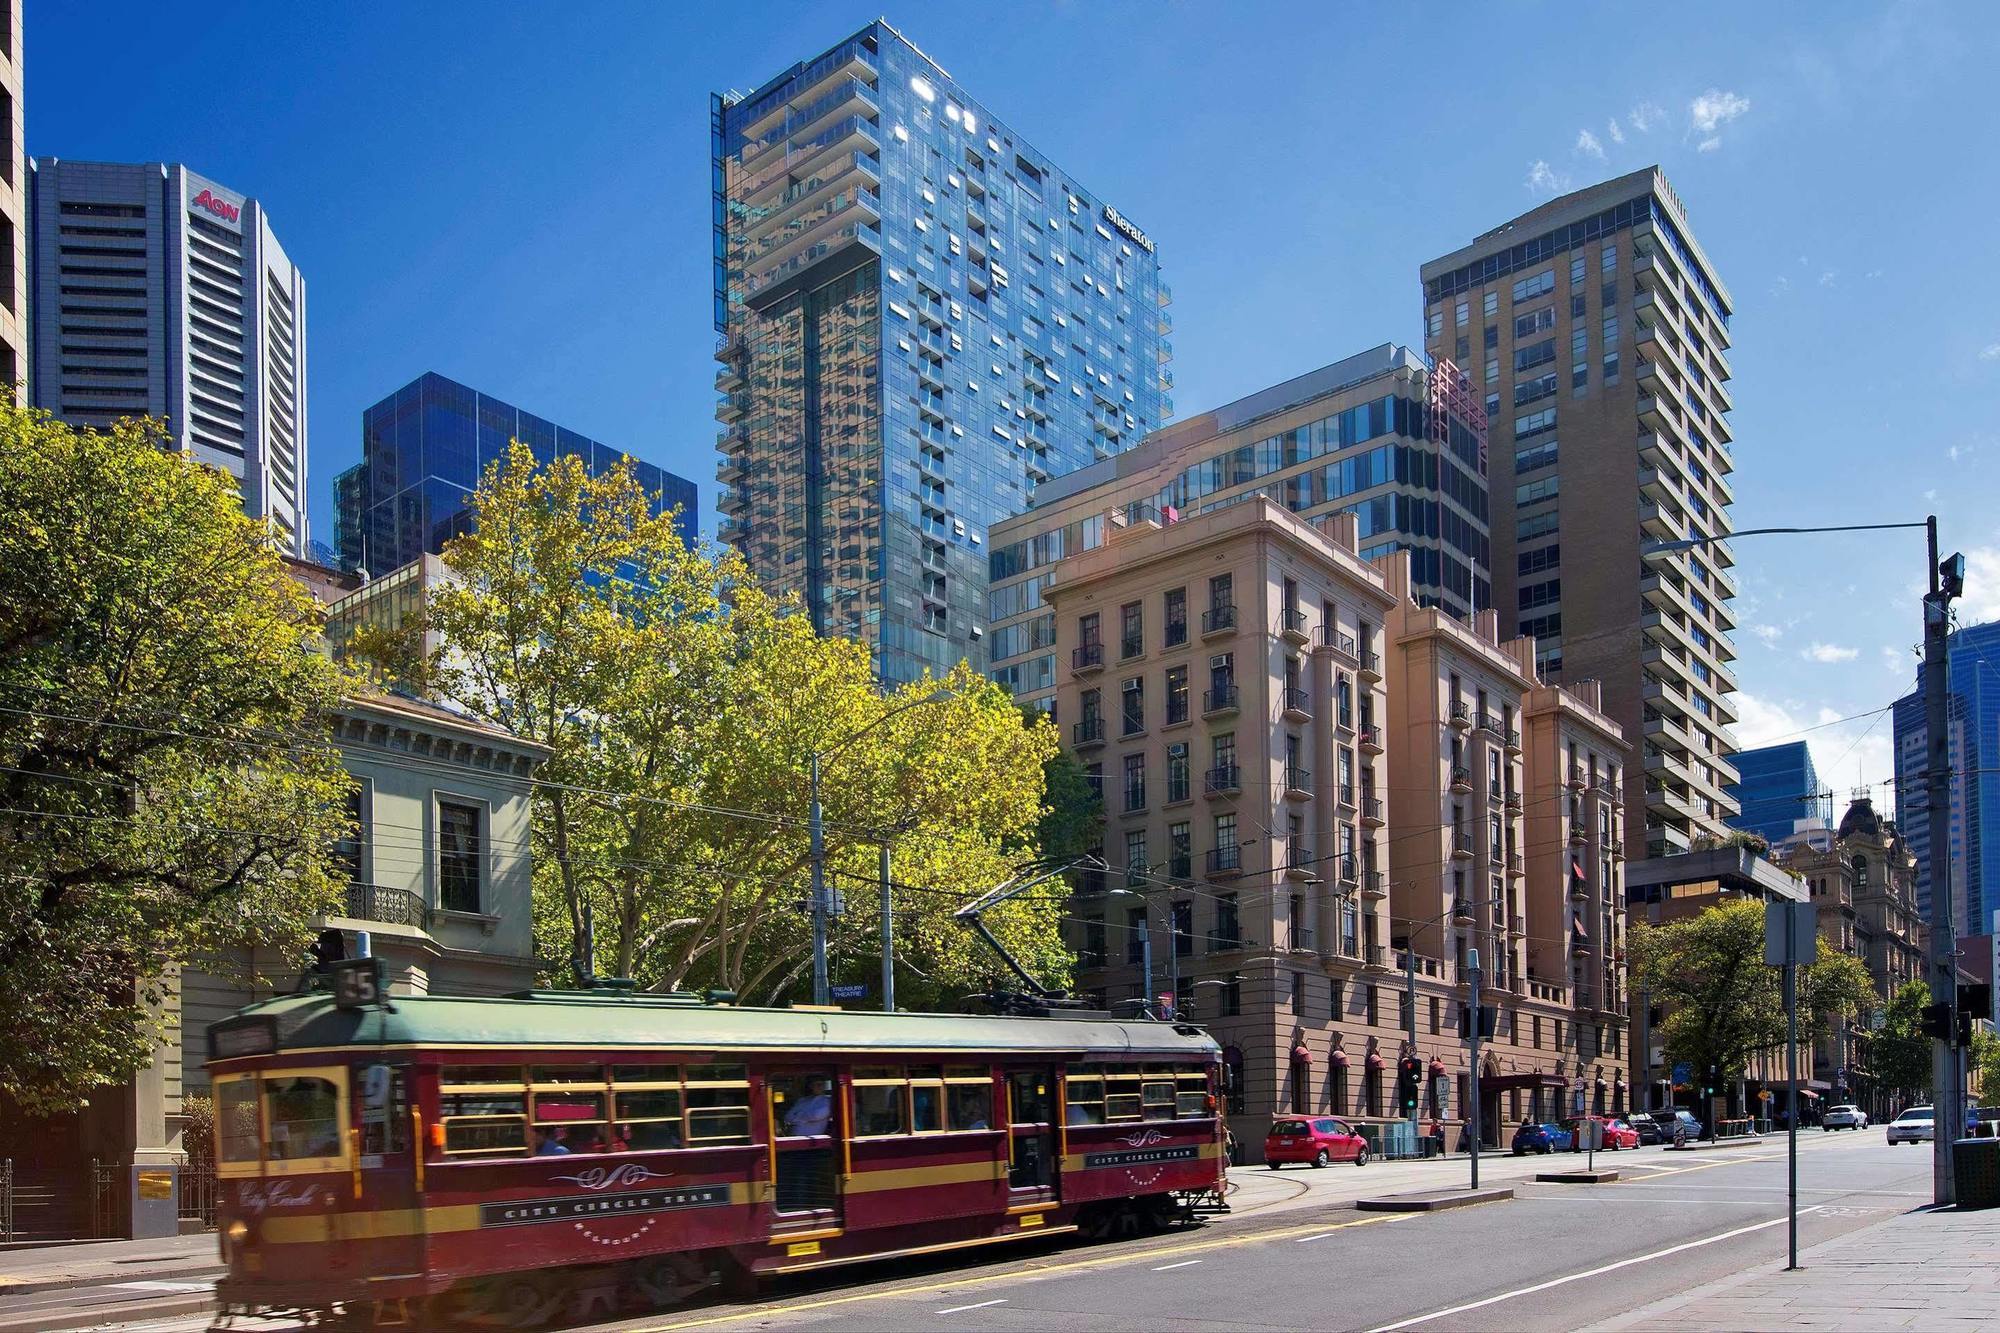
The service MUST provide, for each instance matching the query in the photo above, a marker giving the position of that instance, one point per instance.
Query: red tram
(510, 1160)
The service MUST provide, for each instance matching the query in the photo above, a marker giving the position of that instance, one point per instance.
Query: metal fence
(107, 1200)
(198, 1193)
(7, 1199)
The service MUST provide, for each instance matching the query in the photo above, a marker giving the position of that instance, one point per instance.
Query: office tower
(921, 317)
(1972, 709)
(1596, 320)
(1379, 435)
(13, 235)
(423, 450)
(156, 291)
(1778, 788)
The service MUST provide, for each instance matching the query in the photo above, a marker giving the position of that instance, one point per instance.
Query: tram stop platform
(1431, 1201)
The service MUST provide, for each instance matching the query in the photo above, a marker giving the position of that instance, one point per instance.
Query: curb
(1430, 1201)
(50, 1321)
(1575, 1177)
(106, 1279)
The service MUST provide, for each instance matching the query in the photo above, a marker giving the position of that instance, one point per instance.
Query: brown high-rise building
(1595, 328)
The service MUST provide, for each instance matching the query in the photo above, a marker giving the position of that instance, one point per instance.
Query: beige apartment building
(13, 208)
(1596, 330)
(1238, 684)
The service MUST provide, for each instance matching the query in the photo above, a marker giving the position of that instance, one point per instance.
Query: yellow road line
(1035, 1271)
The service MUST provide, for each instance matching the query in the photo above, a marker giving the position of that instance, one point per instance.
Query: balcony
(1371, 667)
(1376, 957)
(1516, 868)
(1461, 781)
(1296, 704)
(1577, 836)
(1221, 699)
(1374, 885)
(1514, 744)
(1461, 846)
(1350, 873)
(1490, 724)
(389, 906)
(1292, 625)
(1217, 621)
(1298, 783)
(1332, 637)
(1222, 780)
(1461, 913)
(1576, 782)
(1090, 731)
(1086, 657)
(1225, 861)
(1461, 717)
(1371, 812)
(1512, 801)
(1368, 741)
(1517, 924)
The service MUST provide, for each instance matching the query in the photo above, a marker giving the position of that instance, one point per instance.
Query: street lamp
(819, 906)
(1458, 909)
(1947, 581)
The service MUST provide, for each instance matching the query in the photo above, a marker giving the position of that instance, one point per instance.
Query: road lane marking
(1587, 1273)
(1182, 1264)
(1046, 1270)
(961, 1309)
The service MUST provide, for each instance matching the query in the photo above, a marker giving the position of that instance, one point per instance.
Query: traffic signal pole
(1949, 1095)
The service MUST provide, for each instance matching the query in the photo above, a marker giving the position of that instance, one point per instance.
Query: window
(1177, 772)
(1133, 696)
(1490, 304)
(1527, 289)
(1181, 922)
(483, 1110)
(1491, 337)
(1535, 354)
(1533, 424)
(303, 1117)
(1492, 370)
(1463, 313)
(1135, 782)
(1221, 592)
(1531, 390)
(1537, 490)
(1176, 616)
(349, 848)
(1228, 926)
(238, 1137)
(1093, 943)
(1177, 694)
(1437, 323)
(1545, 593)
(1125, 1093)
(1542, 455)
(1463, 348)
(1534, 322)
(1131, 629)
(459, 856)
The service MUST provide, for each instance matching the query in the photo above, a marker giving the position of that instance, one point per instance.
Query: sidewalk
(54, 1267)
(1929, 1270)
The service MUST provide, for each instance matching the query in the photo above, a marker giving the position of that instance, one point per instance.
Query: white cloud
(1586, 142)
(1710, 144)
(1848, 752)
(1981, 601)
(1897, 660)
(1826, 278)
(1543, 177)
(1931, 494)
(1990, 352)
(1646, 115)
(1612, 128)
(1958, 451)
(1767, 634)
(1830, 652)
(1714, 109)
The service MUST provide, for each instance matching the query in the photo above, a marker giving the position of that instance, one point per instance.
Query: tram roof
(615, 1021)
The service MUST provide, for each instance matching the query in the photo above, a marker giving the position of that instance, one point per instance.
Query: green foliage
(1723, 1004)
(166, 769)
(1073, 822)
(680, 705)
(198, 1129)
(1983, 1062)
(1899, 1055)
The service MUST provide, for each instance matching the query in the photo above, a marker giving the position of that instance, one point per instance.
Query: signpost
(1791, 938)
(850, 991)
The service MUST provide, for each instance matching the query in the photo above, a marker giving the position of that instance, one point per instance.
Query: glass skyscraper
(921, 316)
(1973, 718)
(423, 450)
(1777, 786)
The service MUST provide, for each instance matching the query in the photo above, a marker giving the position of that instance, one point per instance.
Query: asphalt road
(1296, 1255)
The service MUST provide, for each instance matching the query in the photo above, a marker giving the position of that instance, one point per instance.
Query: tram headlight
(232, 1237)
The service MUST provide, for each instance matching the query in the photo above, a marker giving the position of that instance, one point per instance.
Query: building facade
(423, 451)
(1596, 329)
(921, 316)
(1973, 717)
(1380, 436)
(13, 210)
(154, 291)
(1778, 791)
(1243, 725)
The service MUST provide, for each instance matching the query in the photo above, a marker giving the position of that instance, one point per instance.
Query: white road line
(161, 1285)
(1587, 1273)
(1182, 1264)
(960, 1309)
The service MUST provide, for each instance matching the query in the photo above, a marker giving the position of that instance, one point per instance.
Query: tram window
(648, 1121)
(645, 1076)
(236, 1132)
(970, 1105)
(1156, 1095)
(1029, 1099)
(718, 1105)
(455, 1076)
(1121, 1095)
(801, 1104)
(926, 1099)
(569, 1108)
(880, 1101)
(1085, 1097)
(385, 1122)
(1190, 1095)
(484, 1124)
(304, 1117)
(587, 1075)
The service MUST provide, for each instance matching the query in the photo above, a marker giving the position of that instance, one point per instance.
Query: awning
(1437, 1067)
(1339, 1059)
(1374, 1060)
(1510, 1082)
(1576, 925)
(1576, 868)
(1301, 1054)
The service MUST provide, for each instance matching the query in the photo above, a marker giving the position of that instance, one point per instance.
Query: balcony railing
(1461, 716)
(1299, 780)
(1090, 731)
(1461, 777)
(1131, 724)
(1086, 657)
(1225, 860)
(1292, 623)
(1371, 665)
(1374, 884)
(390, 906)
(1217, 619)
(1337, 640)
(1223, 778)
(1296, 700)
(1368, 738)
(1489, 724)
(1371, 809)
(1221, 699)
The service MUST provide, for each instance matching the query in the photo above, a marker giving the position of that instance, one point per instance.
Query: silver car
(1844, 1117)
(1915, 1125)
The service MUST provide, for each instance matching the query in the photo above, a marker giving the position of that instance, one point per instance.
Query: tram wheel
(518, 1300)
(671, 1278)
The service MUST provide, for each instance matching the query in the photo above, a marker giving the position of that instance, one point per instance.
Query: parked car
(1647, 1128)
(1843, 1117)
(1318, 1140)
(1915, 1125)
(1542, 1138)
(1676, 1118)
(1613, 1135)
(1620, 1134)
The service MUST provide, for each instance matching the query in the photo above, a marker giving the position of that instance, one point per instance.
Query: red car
(1315, 1139)
(1616, 1133)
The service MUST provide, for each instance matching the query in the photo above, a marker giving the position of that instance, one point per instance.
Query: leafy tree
(1899, 1055)
(1983, 1060)
(167, 776)
(680, 704)
(1723, 1004)
(1074, 820)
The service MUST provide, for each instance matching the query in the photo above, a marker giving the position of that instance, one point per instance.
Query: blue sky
(517, 196)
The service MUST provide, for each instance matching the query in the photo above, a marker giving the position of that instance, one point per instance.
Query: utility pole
(1947, 581)
(1792, 1083)
(888, 939)
(822, 990)
(1173, 962)
(1145, 959)
(1410, 1025)
(1472, 1111)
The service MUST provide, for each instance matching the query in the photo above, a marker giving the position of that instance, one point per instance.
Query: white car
(1916, 1125)
(1844, 1117)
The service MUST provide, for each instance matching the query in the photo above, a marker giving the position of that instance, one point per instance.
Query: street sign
(852, 991)
(1790, 932)
(1683, 1072)
(357, 982)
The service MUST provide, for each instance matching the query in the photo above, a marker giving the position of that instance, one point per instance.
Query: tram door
(1032, 1169)
(386, 1136)
(804, 1113)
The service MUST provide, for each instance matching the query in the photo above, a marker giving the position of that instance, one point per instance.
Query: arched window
(1860, 872)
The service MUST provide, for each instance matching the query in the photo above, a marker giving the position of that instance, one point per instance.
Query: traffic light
(1409, 1075)
(1965, 1028)
(1713, 1085)
(1937, 1022)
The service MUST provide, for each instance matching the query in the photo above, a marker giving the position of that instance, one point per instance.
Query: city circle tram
(422, 1159)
